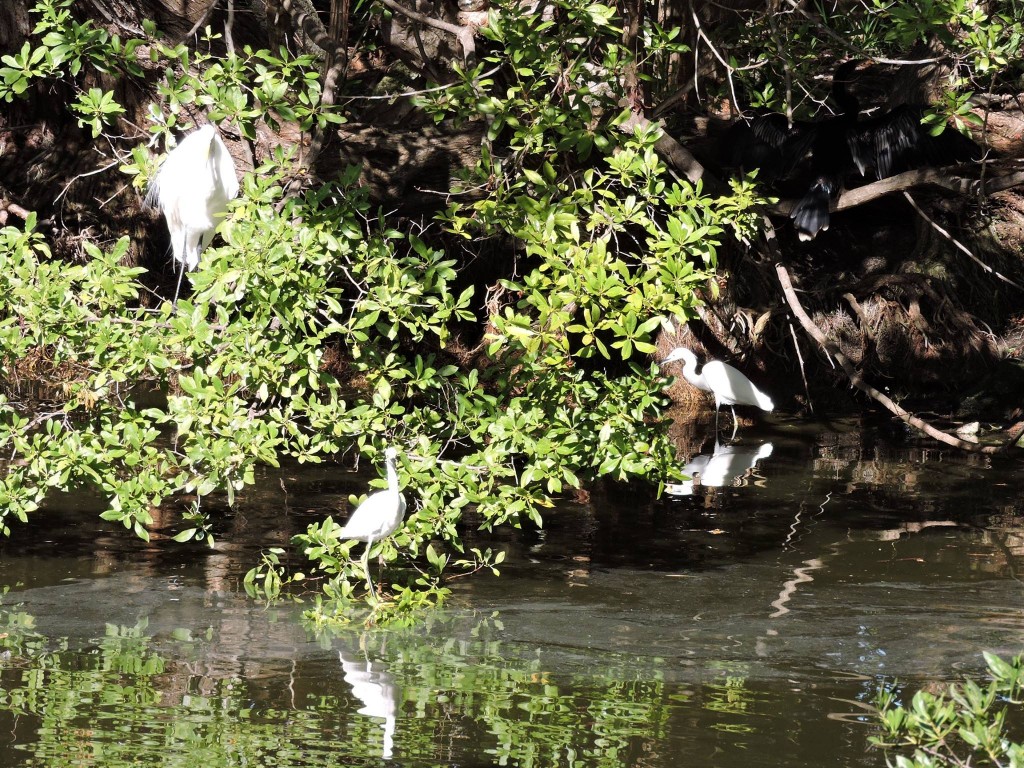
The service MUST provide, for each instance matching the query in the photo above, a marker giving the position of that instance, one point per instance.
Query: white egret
(192, 189)
(721, 468)
(693, 469)
(377, 517)
(729, 386)
(374, 687)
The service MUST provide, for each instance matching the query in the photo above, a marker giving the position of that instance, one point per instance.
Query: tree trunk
(14, 25)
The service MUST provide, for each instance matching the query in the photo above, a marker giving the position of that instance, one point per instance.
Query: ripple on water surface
(744, 621)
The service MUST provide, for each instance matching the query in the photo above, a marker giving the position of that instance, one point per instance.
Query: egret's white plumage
(374, 687)
(377, 517)
(727, 464)
(192, 189)
(729, 386)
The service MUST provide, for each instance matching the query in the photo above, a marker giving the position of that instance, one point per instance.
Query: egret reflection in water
(375, 688)
(727, 464)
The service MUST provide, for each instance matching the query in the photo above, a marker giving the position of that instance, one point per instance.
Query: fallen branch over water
(857, 380)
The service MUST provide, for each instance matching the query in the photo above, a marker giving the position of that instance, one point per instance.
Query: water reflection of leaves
(180, 698)
(469, 683)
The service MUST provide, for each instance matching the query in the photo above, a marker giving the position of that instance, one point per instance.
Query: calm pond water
(747, 621)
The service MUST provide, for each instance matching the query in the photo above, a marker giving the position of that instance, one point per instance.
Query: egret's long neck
(392, 475)
(690, 373)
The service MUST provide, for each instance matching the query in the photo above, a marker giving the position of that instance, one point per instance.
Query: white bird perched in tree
(192, 189)
(729, 386)
(378, 516)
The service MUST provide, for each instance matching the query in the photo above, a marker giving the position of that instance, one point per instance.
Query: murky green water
(744, 622)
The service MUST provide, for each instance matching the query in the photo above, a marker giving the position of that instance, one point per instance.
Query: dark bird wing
(769, 143)
(897, 141)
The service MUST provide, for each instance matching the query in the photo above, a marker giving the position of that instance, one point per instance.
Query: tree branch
(305, 20)
(1002, 176)
(229, 39)
(202, 20)
(958, 245)
(676, 155)
(857, 380)
(8, 207)
(463, 34)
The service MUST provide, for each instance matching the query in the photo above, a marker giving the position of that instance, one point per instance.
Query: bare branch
(229, 39)
(463, 34)
(304, 19)
(857, 380)
(959, 246)
(202, 20)
(1002, 176)
(7, 206)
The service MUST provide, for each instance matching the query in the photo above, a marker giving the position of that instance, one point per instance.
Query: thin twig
(960, 246)
(464, 34)
(803, 372)
(865, 325)
(858, 381)
(82, 176)
(406, 94)
(202, 19)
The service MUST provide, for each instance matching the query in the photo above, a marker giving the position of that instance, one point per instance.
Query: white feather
(192, 189)
(729, 386)
(377, 517)
(382, 512)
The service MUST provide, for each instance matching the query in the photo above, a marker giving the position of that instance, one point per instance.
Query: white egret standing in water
(378, 516)
(192, 189)
(729, 386)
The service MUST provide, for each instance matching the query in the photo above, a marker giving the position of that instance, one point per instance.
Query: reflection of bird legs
(375, 689)
(789, 588)
(801, 574)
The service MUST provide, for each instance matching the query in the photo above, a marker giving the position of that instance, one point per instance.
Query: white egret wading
(192, 189)
(729, 386)
(377, 517)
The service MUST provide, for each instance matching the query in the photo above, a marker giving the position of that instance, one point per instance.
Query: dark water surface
(748, 621)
